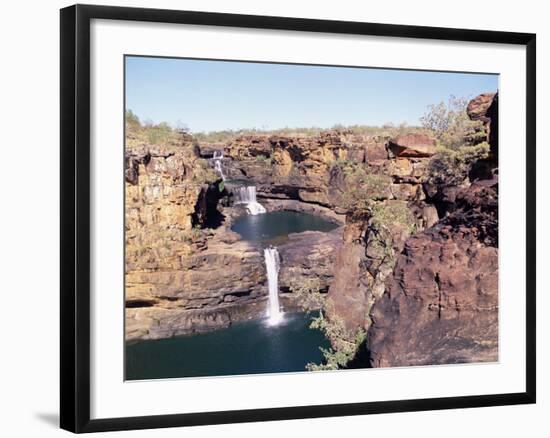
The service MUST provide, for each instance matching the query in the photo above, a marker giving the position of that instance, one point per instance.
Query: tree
(451, 125)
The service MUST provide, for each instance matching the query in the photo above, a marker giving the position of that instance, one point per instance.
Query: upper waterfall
(218, 156)
(247, 195)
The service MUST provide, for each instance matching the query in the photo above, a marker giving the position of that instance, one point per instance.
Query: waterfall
(247, 195)
(218, 156)
(272, 264)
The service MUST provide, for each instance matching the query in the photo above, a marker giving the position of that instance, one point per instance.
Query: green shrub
(387, 214)
(361, 185)
(159, 134)
(451, 166)
(451, 125)
(307, 292)
(342, 350)
(344, 345)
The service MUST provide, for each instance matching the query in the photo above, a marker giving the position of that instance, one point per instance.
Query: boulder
(478, 106)
(413, 145)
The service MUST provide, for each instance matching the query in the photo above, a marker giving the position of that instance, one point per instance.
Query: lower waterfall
(272, 264)
(247, 195)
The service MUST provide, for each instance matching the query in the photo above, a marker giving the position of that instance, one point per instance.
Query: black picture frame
(75, 217)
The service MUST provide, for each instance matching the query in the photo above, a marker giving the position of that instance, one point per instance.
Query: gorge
(398, 249)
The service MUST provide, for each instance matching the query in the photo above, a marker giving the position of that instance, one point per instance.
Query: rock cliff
(325, 169)
(186, 271)
(441, 301)
(177, 279)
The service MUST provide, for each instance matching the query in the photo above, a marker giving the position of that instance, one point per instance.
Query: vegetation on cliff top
(387, 130)
(147, 132)
(461, 141)
(447, 121)
(140, 133)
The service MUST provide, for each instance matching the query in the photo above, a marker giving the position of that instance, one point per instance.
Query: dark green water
(277, 224)
(249, 347)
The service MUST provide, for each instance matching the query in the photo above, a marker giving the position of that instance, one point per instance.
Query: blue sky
(217, 95)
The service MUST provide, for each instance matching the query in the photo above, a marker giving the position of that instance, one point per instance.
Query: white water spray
(247, 195)
(272, 264)
(218, 156)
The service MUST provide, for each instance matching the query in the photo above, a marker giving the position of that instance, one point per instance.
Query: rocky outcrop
(366, 259)
(451, 173)
(441, 304)
(478, 107)
(294, 167)
(157, 322)
(349, 292)
(441, 301)
(485, 108)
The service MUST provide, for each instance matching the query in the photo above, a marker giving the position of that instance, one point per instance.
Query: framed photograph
(268, 218)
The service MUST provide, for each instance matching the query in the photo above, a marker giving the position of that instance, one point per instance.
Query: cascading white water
(272, 264)
(247, 195)
(218, 156)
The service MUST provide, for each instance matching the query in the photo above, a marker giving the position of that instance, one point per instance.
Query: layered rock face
(303, 167)
(367, 255)
(316, 169)
(441, 302)
(179, 278)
